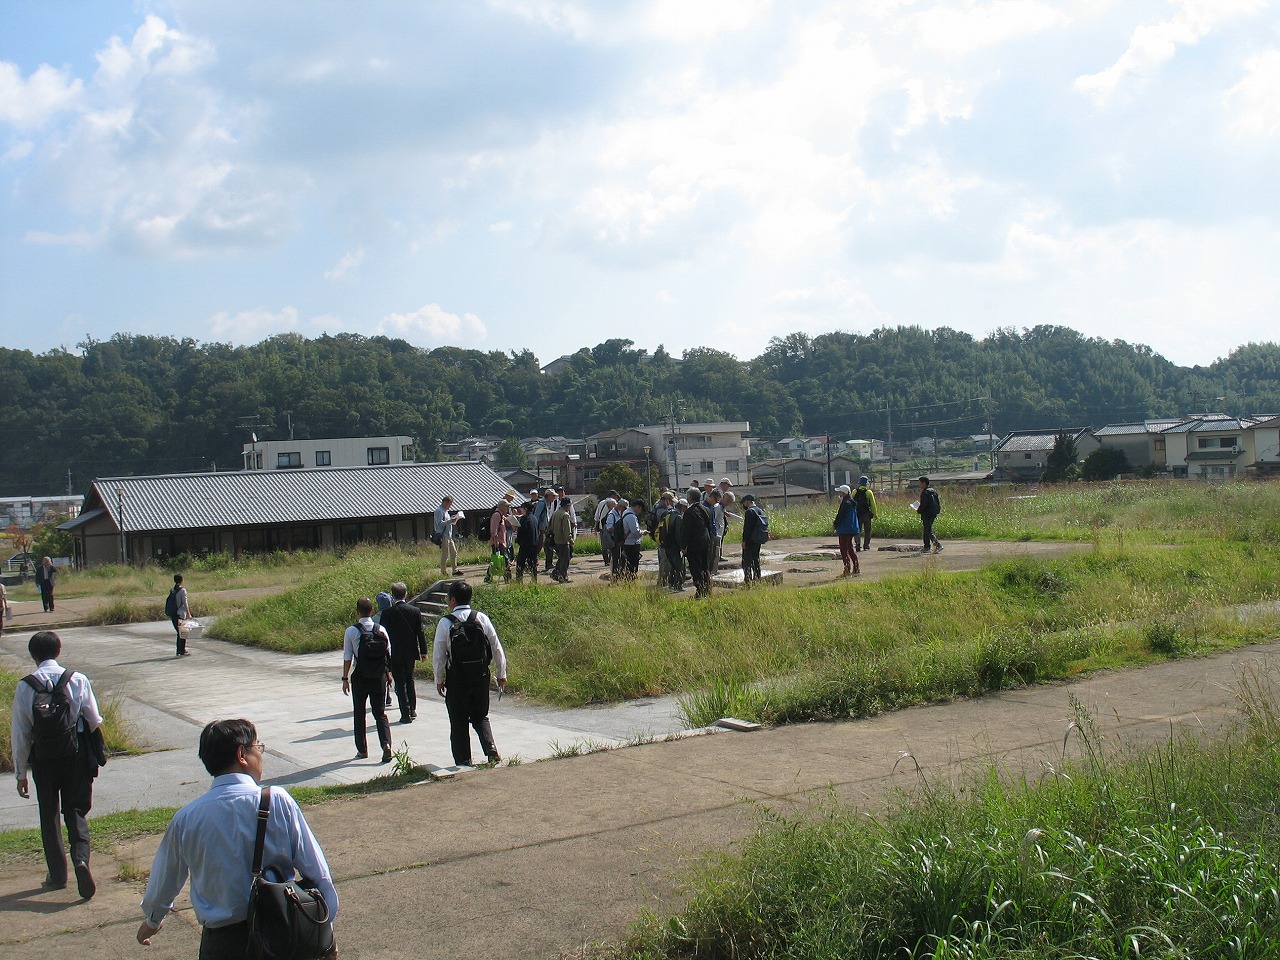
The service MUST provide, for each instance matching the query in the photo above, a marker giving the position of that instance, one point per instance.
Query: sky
(550, 174)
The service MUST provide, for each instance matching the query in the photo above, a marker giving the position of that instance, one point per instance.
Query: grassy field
(1169, 853)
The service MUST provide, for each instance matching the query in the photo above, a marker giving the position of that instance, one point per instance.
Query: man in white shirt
(63, 772)
(465, 684)
(366, 673)
(212, 839)
(445, 519)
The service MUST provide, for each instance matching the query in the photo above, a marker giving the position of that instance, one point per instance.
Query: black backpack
(761, 532)
(372, 651)
(171, 604)
(53, 724)
(860, 500)
(469, 652)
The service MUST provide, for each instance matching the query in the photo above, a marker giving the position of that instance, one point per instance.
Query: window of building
(323, 459)
(286, 460)
(1026, 456)
(379, 455)
(706, 466)
(687, 469)
(732, 466)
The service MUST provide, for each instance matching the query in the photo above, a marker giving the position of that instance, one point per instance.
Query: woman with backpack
(846, 526)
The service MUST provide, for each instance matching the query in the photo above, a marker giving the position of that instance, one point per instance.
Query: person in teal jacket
(846, 524)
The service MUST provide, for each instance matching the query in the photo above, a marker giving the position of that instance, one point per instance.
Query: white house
(334, 452)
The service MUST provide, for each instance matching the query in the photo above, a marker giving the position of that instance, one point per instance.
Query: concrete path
(537, 860)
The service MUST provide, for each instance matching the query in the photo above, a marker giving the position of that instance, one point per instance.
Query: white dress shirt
(440, 650)
(84, 707)
(211, 839)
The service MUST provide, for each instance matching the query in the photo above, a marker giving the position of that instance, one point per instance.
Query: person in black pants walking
(466, 651)
(46, 580)
(930, 507)
(403, 623)
(366, 671)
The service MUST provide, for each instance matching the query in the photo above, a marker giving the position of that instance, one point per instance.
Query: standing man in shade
(403, 623)
(465, 652)
(552, 501)
(366, 672)
(445, 520)
(697, 533)
(62, 762)
(212, 840)
(864, 501)
(755, 533)
(46, 580)
(604, 509)
(930, 507)
(632, 533)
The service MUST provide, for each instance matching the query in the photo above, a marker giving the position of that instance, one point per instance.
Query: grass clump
(114, 728)
(1167, 852)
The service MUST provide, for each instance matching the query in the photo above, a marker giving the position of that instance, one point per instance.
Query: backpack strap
(35, 683)
(260, 841)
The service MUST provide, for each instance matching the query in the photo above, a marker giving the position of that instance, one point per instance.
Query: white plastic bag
(190, 629)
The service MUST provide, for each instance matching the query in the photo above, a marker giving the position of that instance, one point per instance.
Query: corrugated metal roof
(1202, 424)
(186, 501)
(1029, 440)
(1145, 426)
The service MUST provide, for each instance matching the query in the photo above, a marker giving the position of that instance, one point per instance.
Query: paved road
(538, 859)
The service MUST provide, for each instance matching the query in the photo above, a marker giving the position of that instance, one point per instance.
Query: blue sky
(548, 174)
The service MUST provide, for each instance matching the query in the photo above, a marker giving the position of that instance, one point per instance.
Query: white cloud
(251, 326)
(1255, 100)
(684, 22)
(434, 325)
(34, 101)
(348, 263)
(1153, 45)
(501, 226)
(968, 27)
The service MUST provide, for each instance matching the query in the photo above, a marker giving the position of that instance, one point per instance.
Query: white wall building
(695, 451)
(334, 452)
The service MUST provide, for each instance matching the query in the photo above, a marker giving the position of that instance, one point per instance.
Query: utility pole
(68, 481)
(991, 430)
(888, 414)
(827, 444)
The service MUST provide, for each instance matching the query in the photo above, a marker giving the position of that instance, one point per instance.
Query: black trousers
(63, 789)
(406, 689)
(374, 690)
(562, 561)
(929, 538)
(750, 562)
(182, 641)
(675, 568)
(467, 702)
(864, 525)
(46, 595)
(225, 943)
(527, 562)
(698, 555)
(630, 560)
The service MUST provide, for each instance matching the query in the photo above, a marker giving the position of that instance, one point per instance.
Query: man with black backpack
(54, 736)
(466, 651)
(366, 672)
(177, 607)
(755, 532)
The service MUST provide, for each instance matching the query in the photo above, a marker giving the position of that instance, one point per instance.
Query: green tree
(511, 456)
(49, 541)
(1061, 466)
(1105, 463)
(628, 483)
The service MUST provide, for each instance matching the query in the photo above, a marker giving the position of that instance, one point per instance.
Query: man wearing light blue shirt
(212, 838)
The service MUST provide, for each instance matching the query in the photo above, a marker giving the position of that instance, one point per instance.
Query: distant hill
(133, 405)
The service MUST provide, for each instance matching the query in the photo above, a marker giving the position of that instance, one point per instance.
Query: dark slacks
(63, 789)
(630, 560)
(467, 702)
(406, 689)
(225, 943)
(562, 561)
(373, 690)
(182, 641)
(864, 526)
(750, 562)
(698, 555)
(46, 595)
(929, 538)
(527, 562)
(675, 567)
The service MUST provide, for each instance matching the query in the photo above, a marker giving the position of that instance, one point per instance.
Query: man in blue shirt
(211, 839)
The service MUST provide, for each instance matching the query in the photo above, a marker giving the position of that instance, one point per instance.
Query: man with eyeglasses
(212, 839)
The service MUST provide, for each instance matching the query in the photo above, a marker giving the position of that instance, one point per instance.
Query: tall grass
(115, 730)
(1168, 852)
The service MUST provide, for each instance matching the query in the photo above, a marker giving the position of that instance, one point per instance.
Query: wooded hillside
(157, 405)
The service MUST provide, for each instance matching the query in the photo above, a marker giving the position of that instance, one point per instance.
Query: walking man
(846, 526)
(930, 507)
(561, 535)
(212, 840)
(367, 646)
(46, 580)
(466, 650)
(755, 532)
(178, 606)
(445, 520)
(403, 623)
(54, 736)
(864, 501)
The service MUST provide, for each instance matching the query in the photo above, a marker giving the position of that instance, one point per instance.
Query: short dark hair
(364, 607)
(460, 592)
(399, 590)
(925, 481)
(565, 504)
(177, 578)
(221, 739)
(637, 502)
(45, 645)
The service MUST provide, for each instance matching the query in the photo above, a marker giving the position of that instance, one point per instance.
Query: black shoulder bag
(287, 921)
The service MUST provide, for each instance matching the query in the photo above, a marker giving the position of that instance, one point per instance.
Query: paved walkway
(536, 860)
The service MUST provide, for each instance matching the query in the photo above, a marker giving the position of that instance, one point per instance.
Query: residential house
(1022, 455)
(335, 452)
(806, 472)
(1266, 447)
(258, 511)
(1211, 447)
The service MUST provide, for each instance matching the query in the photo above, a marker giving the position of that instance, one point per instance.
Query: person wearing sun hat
(846, 526)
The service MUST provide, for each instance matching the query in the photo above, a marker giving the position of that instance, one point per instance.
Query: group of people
(380, 652)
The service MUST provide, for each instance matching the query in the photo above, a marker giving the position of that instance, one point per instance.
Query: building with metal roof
(1211, 447)
(1022, 455)
(154, 517)
(1143, 442)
